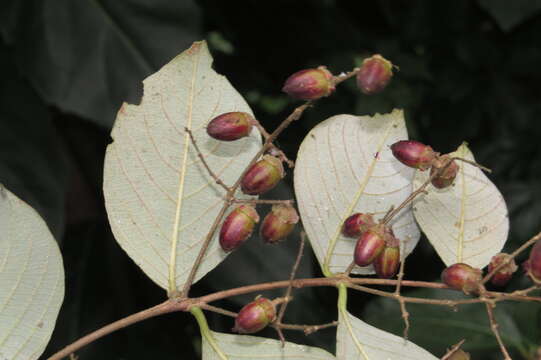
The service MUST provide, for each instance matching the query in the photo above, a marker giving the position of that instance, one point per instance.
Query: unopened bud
(534, 263)
(369, 245)
(309, 84)
(279, 223)
(254, 316)
(262, 176)
(463, 277)
(459, 355)
(502, 276)
(387, 263)
(357, 224)
(238, 227)
(446, 176)
(230, 126)
(413, 154)
(374, 75)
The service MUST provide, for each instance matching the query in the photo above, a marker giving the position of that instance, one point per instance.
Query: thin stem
(204, 162)
(405, 313)
(163, 308)
(273, 148)
(494, 326)
(263, 201)
(217, 310)
(283, 307)
(205, 331)
(308, 329)
(511, 256)
(453, 350)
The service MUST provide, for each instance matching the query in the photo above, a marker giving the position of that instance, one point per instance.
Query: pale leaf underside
(356, 339)
(345, 166)
(31, 280)
(242, 347)
(160, 199)
(466, 222)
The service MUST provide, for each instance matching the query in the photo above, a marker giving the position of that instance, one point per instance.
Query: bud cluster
(443, 169)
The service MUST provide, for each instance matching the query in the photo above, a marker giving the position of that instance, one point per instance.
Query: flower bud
(463, 277)
(534, 263)
(459, 355)
(262, 176)
(447, 176)
(387, 262)
(357, 224)
(374, 75)
(413, 154)
(502, 276)
(238, 227)
(369, 245)
(309, 84)
(254, 316)
(279, 223)
(230, 126)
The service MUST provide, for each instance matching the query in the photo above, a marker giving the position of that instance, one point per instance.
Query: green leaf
(31, 280)
(240, 347)
(160, 199)
(436, 328)
(86, 57)
(345, 166)
(466, 222)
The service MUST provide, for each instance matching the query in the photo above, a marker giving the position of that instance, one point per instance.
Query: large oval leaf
(160, 199)
(344, 166)
(466, 222)
(240, 347)
(31, 280)
(355, 339)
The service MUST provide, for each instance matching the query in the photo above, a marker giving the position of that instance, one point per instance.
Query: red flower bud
(369, 245)
(374, 75)
(279, 223)
(262, 176)
(230, 126)
(254, 316)
(386, 264)
(357, 224)
(309, 84)
(459, 355)
(447, 176)
(413, 154)
(463, 277)
(502, 276)
(238, 227)
(534, 263)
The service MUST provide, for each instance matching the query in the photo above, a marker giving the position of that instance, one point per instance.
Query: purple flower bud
(534, 263)
(357, 224)
(374, 75)
(463, 277)
(447, 176)
(413, 154)
(262, 176)
(309, 84)
(279, 223)
(238, 227)
(230, 126)
(502, 276)
(369, 245)
(254, 316)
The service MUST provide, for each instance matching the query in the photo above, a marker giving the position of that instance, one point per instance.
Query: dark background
(469, 71)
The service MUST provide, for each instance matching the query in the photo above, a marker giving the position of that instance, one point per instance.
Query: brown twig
(218, 310)
(273, 148)
(350, 268)
(200, 155)
(494, 326)
(405, 313)
(453, 350)
(308, 329)
(283, 307)
(263, 201)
